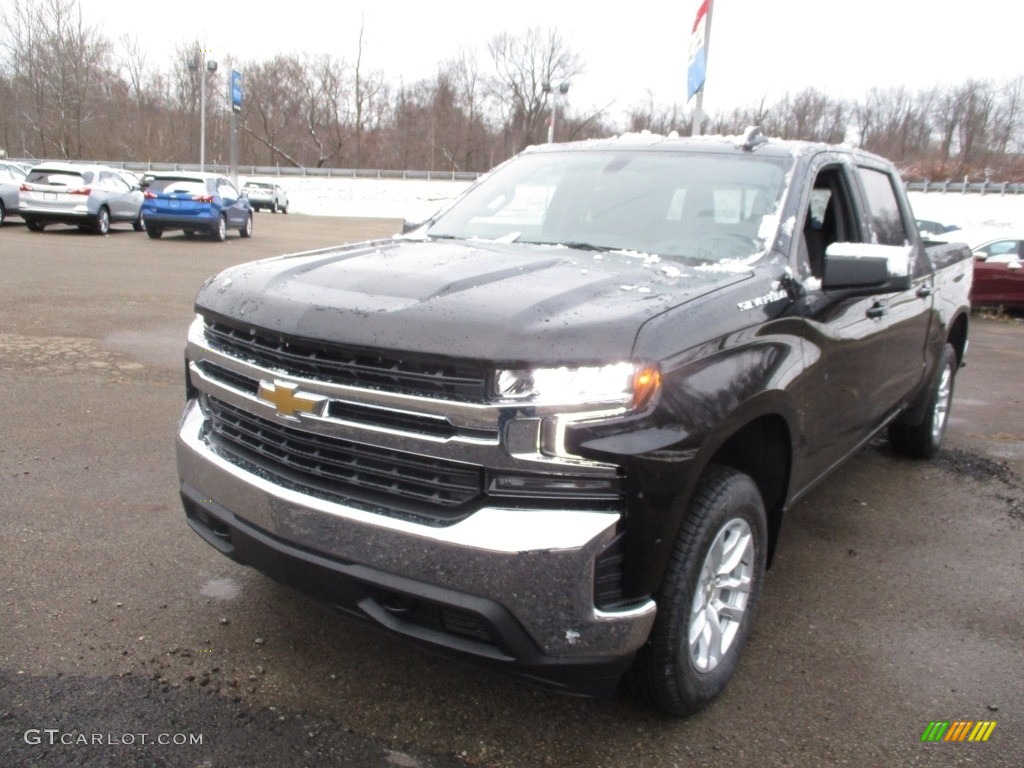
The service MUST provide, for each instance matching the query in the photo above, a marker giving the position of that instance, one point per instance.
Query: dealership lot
(894, 600)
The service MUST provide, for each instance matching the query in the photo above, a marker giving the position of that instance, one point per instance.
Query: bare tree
(273, 104)
(323, 91)
(524, 66)
(60, 65)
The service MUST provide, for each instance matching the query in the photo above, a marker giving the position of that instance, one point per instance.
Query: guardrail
(277, 170)
(966, 187)
(284, 171)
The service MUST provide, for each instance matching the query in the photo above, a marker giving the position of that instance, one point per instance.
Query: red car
(998, 266)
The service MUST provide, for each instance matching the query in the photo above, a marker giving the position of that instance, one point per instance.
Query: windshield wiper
(577, 244)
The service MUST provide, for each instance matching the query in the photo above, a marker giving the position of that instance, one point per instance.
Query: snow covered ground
(377, 198)
(415, 200)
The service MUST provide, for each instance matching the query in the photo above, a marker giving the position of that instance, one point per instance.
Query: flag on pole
(697, 66)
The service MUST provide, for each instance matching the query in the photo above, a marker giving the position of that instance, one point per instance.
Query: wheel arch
(957, 336)
(756, 439)
(762, 450)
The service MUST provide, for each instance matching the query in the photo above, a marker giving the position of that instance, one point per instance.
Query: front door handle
(877, 311)
(924, 291)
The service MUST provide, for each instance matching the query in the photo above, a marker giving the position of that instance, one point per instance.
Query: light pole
(199, 64)
(563, 89)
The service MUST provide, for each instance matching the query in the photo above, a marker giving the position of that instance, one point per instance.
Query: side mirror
(410, 226)
(1014, 265)
(863, 269)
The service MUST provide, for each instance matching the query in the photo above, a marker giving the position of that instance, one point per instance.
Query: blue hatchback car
(195, 203)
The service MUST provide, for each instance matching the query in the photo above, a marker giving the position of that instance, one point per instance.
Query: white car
(266, 194)
(91, 197)
(11, 177)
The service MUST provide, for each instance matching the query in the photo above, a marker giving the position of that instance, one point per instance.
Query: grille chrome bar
(372, 369)
(339, 468)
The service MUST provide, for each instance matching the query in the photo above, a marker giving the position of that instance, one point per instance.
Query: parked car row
(93, 197)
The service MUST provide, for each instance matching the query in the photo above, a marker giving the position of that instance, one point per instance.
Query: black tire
(923, 439)
(154, 233)
(3, 213)
(140, 223)
(246, 231)
(189, 234)
(34, 226)
(102, 224)
(284, 209)
(220, 234)
(273, 207)
(724, 535)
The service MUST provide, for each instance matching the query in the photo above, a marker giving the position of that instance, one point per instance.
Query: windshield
(693, 207)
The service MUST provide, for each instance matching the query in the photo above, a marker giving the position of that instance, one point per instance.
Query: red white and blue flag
(697, 67)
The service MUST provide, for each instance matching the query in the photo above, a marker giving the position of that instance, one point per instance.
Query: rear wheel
(708, 598)
(154, 233)
(923, 440)
(246, 231)
(35, 226)
(221, 232)
(102, 224)
(3, 213)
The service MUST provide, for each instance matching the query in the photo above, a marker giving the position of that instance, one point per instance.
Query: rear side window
(884, 207)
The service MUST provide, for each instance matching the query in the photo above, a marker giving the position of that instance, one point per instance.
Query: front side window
(884, 207)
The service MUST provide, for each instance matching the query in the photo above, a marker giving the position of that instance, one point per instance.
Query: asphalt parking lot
(894, 600)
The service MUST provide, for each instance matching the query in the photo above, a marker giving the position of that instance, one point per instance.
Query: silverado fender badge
(761, 301)
(287, 400)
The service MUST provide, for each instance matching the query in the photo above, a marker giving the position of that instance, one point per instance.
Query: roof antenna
(752, 138)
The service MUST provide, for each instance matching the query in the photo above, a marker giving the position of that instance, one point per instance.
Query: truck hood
(467, 299)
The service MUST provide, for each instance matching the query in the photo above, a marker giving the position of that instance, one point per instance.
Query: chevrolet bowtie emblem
(287, 400)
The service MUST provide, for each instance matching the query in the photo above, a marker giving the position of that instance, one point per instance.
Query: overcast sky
(758, 48)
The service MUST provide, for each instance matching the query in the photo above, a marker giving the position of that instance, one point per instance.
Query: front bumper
(512, 588)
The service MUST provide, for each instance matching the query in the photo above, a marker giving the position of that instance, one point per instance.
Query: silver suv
(89, 196)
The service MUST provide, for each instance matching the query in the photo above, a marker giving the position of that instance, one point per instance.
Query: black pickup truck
(555, 428)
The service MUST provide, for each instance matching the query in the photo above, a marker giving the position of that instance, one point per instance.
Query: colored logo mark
(958, 730)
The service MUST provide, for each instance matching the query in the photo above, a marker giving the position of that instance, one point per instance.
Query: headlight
(624, 384)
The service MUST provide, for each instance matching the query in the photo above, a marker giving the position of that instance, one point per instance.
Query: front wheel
(140, 223)
(708, 598)
(246, 230)
(923, 440)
